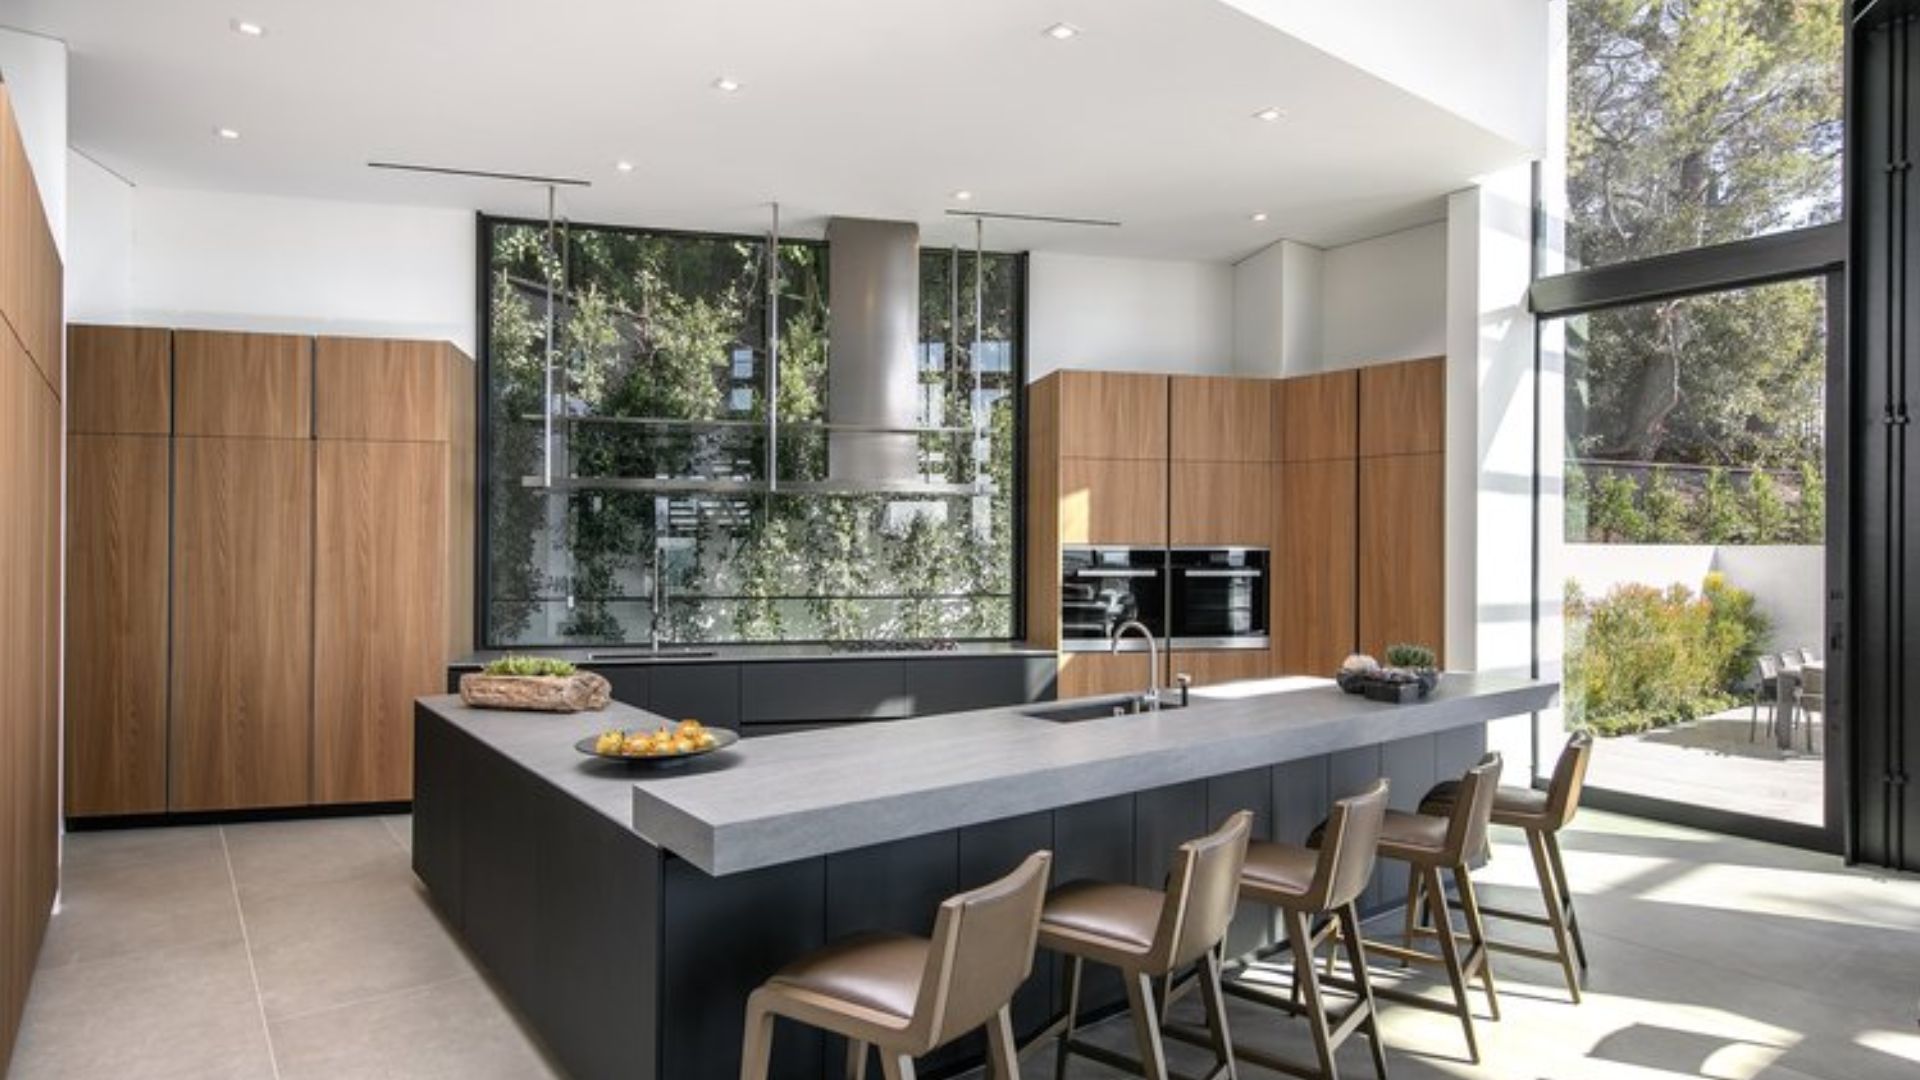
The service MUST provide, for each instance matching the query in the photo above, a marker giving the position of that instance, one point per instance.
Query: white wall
(219, 260)
(1118, 314)
(1385, 299)
(35, 70)
(99, 244)
(1277, 304)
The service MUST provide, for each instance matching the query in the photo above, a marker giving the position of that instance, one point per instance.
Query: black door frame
(1815, 252)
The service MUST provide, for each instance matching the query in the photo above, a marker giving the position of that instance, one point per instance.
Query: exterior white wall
(99, 244)
(1277, 310)
(1484, 60)
(35, 70)
(1788, 581)
(1116, 314)
(1385, 299)
(225, 261)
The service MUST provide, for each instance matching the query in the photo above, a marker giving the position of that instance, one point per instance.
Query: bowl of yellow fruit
(667, 743)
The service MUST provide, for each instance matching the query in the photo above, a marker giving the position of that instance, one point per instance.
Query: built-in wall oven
(1103, 588)
(1218, 597)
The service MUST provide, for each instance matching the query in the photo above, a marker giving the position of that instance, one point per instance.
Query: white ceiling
(878, 108)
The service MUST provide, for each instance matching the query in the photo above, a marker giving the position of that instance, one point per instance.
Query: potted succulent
(534, 684)
(1411, 672)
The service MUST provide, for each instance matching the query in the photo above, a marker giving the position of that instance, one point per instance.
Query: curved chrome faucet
(1152, 698)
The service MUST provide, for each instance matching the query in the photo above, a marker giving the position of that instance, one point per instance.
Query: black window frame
(485, 223)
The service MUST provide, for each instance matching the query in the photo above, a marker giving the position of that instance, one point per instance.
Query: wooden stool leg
(1477, 937)
(896, 1066)
(1002, 1062)
(1072, 978)
(1308, 980)
(856, 1060)
(1146, 1025)
(1556, 919)
(757, 1053)
(1413, 915)
(1215, 1003)
(1363, 986)
(1450, 956)
(1566, 898)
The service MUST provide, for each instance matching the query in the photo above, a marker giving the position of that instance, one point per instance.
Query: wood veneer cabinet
(1213, 666)
(1090, 674)
(1111, 501)
(1319, 416)
(393, 574)
(1403, 408)
(1220, 419)
(31, 384)
(242, 626)
(242, 385)
(120, 380)
(1316, 566)
(1216, 503)
(1402, 551)
(117, 573)
(1113, 415)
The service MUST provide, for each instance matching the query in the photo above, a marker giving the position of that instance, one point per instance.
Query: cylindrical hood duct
(873, 276)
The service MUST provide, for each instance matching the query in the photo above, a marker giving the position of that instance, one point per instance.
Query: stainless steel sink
(650, 654)
(1076, 711)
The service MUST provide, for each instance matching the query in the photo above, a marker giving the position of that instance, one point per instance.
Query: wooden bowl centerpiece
(534, 684)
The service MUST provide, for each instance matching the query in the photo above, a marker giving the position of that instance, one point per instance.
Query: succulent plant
(530, 666)
(1411, 657)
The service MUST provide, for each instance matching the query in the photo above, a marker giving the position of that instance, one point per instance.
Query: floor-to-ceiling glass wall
(1692, 333)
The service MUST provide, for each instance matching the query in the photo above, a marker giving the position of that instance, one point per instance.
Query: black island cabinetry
(628, 910)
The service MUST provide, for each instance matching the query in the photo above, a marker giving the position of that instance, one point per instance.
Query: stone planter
(582, 691)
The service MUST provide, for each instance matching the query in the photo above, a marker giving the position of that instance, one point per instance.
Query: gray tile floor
(305, 949)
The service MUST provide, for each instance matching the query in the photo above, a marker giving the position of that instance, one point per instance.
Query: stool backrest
(1768, 667)
(982, 951)
(1473, 809)
(1202, 892)
(1347, 849)
(1569, 776)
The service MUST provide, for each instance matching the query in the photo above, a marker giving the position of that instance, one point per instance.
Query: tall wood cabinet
(1402, 525)
(271, 549)
(32, 378)
(1316, 574)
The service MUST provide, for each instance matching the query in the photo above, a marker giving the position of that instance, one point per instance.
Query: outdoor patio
(1712, 763)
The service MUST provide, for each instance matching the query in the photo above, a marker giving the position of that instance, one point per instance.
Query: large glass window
(1694, 561)
(1697, 122)
(644, 446)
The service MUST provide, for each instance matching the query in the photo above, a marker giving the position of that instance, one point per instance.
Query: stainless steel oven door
(1218, 597)
(1103, 588)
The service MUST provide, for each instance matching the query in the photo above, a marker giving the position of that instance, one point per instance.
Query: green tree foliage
(1665, 510)
(1717, 518)
(1810, 513)
(1766, 513)
(1616, 517)
(1696, 122)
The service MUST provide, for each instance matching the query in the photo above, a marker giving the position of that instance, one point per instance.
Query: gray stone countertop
(781, 798)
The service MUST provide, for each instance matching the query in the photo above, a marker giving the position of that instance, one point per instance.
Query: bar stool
(1541, 815)
(1149, 934)
(908, 995)
(1306, 886)
(1430, 844)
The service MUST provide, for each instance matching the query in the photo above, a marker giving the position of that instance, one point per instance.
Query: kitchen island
(628, 910)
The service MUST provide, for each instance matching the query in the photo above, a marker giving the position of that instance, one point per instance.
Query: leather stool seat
(1521, 808)
(1407, 837)
(1124, 915)
(1279, 868)
(878, 971)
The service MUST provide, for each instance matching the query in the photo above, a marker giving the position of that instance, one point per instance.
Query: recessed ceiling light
(725, 85)
(623, 166)
(1259, 217)
(1062, 31)
(227, 133)
(1270, 114)
(963, 195)
(246, 28)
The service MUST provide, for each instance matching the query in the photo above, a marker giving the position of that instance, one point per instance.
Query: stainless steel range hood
(873, 277)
